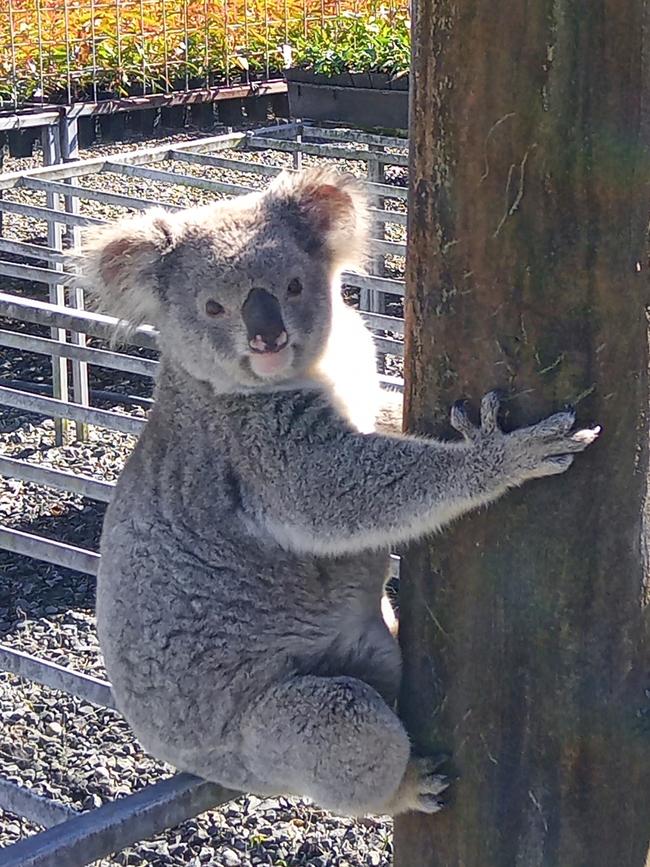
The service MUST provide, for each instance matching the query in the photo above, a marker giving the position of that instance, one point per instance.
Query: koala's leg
(335, 740)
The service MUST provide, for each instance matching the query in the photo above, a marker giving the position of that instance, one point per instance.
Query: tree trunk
(526, 627)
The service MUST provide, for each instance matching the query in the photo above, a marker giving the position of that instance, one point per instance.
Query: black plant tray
(363, 99)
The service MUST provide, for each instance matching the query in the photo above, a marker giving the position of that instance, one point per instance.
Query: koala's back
(199, 610)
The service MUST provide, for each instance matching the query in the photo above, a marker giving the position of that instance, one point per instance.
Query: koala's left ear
(328, 211)
(119, 265)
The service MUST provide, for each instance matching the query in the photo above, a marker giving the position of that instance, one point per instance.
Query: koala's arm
(360, 491)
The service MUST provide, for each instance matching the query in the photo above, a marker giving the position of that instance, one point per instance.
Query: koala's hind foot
(421, 787)
(333, 739)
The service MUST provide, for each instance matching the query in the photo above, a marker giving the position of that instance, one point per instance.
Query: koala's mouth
(270, 362)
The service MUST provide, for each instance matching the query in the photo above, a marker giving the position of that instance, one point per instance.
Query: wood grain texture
(526, 628)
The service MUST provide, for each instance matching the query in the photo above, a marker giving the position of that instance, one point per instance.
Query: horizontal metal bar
(391, 382)
(179, 98)
(87, 194)
(96, 324)
(384, 323)
(52, 408)
(48, 214)
(73, 482)
(98, 357)
(176, 178)
(59, 553)
(114, 826)
(388, 191)
(29, 251)
(20, 801)
(26, 121)
(181, 155)
(34, 273)
(54, 676)
(273, 171)
(329, 151)
(78, 168)
(291, 128)
(377, 215)
(389, 248)
(386, 247)
(389, 347)
(368, 281)
(354, 135)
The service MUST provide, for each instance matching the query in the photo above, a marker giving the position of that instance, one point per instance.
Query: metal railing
(78, 838)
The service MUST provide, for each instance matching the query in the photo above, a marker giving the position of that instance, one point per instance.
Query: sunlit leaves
(51, 47)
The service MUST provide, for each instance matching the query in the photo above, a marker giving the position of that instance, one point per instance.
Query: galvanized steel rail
(72, 838)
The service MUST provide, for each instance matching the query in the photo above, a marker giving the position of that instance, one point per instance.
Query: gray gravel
(61, 746)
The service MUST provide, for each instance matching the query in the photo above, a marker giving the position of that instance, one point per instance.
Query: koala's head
(241, 291)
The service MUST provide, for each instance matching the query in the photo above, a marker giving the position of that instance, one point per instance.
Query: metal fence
(68, 50)
(56, 202)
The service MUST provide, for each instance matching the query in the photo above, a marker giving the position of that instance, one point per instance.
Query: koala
(244, 555)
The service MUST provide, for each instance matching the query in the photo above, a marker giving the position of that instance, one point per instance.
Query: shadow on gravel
(31, 589)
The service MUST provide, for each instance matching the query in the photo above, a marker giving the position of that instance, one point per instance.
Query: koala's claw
(430, 804)
(556, 425)
(430, 784)
(489, 412)
(548, 448)
(558, 464)
(461, 421)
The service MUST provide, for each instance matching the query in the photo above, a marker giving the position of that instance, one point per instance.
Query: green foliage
(376, 41)
(63, 49)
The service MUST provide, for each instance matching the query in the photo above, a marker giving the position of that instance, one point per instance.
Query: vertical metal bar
(143, 44)
(93, 37)
(12, 38)
(370, 299)
(68, 65)
(297, 154)
(266, 41)
(206, 44)
(246, 43)
(39, 30)
(52, 155)
(80, 386)
(226, 25)
(118, 40)
(186, 39)
(168, 84)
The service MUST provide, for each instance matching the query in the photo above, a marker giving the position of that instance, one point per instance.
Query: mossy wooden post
(525, 627)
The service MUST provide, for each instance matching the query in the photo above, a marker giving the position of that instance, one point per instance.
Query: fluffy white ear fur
(328, 209)
(118, 264)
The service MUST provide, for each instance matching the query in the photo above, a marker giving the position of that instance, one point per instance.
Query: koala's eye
(213, 308)
(295, 287)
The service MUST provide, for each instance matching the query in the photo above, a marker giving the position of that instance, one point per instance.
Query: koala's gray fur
(245, 552)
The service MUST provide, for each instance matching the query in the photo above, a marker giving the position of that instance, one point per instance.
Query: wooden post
(526, 627)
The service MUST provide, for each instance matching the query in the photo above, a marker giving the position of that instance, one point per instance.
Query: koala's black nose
(262, 316)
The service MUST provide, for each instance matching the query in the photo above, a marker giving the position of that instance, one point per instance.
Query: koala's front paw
(422, 786)
(543, 449)
(428, 784)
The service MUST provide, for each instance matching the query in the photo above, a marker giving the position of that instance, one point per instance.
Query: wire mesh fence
(67, 50)
(43, 211)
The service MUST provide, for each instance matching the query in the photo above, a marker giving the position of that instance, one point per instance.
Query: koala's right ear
(118, 265)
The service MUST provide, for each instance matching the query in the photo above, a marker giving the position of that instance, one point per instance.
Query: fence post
(51, 155)
(69, 133)
(372, 300)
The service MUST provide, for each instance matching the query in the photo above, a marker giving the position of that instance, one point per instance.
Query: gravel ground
(60, 746)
